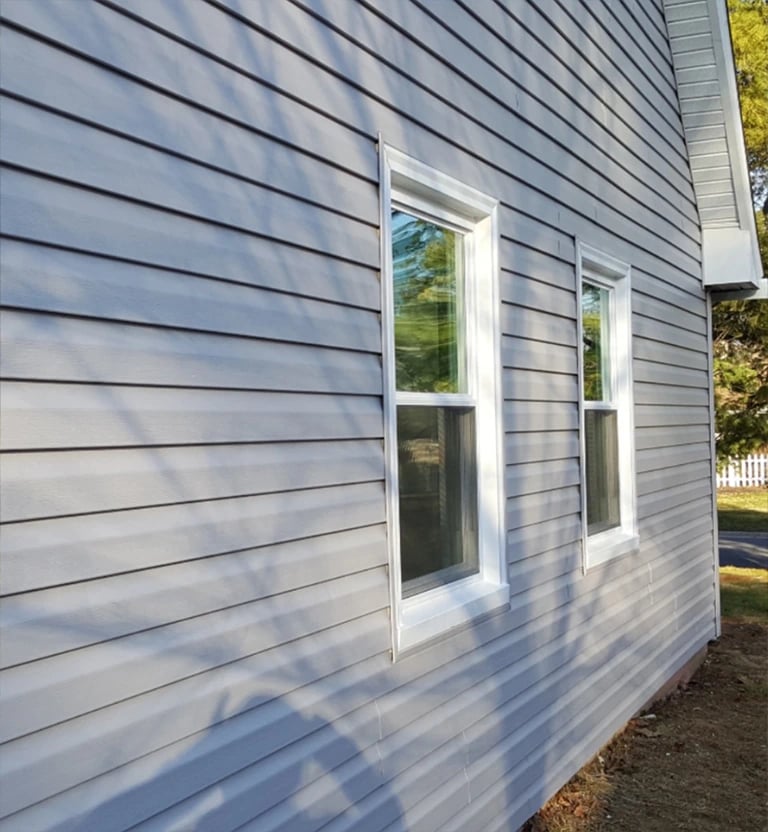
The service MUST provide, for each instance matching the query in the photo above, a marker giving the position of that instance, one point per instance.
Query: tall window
(606, 407)
(442, 400)
(435, 404)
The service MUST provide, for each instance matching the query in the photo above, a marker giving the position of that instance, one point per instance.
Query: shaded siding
(196, 613)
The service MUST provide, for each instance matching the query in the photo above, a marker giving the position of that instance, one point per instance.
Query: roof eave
(702, 54)
(741, 247)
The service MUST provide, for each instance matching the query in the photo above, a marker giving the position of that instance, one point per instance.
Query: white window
(607, 427)
(442, 400)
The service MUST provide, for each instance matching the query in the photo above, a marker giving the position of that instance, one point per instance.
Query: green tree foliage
(427, 278)
(592, 326)
(740, 328)
(749, 33)
(741, 377)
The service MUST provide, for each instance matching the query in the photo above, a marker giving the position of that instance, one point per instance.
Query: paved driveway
(746, 549)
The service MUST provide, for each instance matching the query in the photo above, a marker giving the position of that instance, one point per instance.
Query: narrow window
(606, 407)
(442, 400)
(436, 431)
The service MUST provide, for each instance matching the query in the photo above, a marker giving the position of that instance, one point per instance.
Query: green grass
(744, 594)
(742, 509)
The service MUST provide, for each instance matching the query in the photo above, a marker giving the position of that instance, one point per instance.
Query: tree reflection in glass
(427, 265)
(594, 318)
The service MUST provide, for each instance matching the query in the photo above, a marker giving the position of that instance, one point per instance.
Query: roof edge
(726, 70)
(730, 250)
(760, 293)
(734, 129)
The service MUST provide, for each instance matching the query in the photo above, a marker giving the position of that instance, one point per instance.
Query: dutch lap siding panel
(196, 621)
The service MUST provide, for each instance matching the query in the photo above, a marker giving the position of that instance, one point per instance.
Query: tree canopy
(426, 261)
(749, 33)
(741, 377)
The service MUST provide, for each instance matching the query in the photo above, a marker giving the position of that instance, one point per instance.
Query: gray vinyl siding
(195, 618)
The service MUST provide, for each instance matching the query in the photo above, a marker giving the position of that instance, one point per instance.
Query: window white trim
(604, 271)
(418, 188)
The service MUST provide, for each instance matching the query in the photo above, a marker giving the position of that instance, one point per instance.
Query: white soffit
(700, 41)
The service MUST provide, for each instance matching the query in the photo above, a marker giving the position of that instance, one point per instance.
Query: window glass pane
(438, 498)
(602, 456)
(596, 346)
(427, 264)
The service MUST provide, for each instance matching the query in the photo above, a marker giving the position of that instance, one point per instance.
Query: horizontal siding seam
(217, 279)
(201, 163)
(122, 385)
(103, 576)
(217, 334)
(575, 47)
(427, 127)
(588, 622)
(223, 609)
(611, 690)
(607, 204)
(676, 127)
(200, 501)
(184, 214)
(450, 67)
(256, 131)
(509, 737)
(565, 765)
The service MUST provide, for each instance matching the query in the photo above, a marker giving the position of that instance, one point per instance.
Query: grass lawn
(744, 594)
(742, 509)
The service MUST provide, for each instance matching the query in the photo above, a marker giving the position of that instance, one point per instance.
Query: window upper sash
(429, 302)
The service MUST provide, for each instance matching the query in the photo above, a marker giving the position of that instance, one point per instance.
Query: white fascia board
(761, 293)
(743, 242)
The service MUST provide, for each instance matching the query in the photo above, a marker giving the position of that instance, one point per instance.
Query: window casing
(442, 400)
(606, 407)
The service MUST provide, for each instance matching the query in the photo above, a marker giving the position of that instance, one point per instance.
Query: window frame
(606, 272)
(415, 187)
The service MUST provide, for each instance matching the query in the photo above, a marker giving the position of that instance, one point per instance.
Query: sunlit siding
(196, 624)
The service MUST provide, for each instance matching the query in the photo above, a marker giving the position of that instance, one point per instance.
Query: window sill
(606, 546)
(432, 613)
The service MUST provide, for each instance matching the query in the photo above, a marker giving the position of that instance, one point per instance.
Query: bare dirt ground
(698, 764)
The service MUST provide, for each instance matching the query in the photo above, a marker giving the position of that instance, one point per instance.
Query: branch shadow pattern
(293, 748)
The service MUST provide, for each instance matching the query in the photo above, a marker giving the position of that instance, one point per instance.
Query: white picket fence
(740, 473)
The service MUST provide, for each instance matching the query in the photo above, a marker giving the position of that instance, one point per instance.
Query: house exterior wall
(196, 611)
